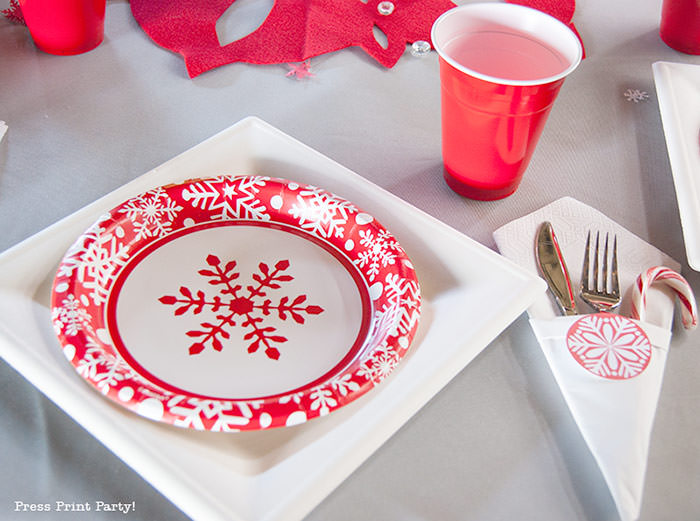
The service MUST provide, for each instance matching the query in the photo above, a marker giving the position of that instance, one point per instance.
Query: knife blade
(553, 268)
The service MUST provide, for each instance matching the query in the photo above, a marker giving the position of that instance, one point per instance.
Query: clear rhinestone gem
(385, 8)
(420, 48)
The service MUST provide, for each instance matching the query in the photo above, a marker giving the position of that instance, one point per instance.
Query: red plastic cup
(680, 25)
(501, 68)
(65, 26)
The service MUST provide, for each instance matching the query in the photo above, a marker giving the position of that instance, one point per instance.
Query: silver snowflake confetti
(636, 95)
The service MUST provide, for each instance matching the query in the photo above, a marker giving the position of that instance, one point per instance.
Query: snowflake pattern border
(94, 262)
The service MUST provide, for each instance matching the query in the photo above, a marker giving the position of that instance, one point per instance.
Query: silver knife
(553, 269)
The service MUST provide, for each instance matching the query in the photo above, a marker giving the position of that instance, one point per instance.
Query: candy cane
(674, 281)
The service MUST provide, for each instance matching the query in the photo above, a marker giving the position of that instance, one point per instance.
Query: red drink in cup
(501, 68)
(65, 26)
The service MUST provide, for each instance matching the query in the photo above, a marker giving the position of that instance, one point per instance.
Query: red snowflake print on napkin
(235, 306)
(609, 346)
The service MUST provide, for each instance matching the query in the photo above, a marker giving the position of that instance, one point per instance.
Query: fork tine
(585, 270)
(613, 275)
(595, 262)
(604, 273)
(600, 289)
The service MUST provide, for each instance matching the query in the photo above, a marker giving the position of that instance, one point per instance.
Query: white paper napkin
(3, 129)
(615, 416)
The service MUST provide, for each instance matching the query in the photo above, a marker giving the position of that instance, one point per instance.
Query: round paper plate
(235, 303)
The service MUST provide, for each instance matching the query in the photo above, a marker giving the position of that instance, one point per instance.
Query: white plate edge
(677, 147)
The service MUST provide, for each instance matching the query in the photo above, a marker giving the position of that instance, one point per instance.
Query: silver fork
(602, 293)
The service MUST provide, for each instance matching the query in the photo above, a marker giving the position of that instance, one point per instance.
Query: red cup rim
(520, 11)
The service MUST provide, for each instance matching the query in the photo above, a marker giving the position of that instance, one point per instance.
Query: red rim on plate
(235, 303)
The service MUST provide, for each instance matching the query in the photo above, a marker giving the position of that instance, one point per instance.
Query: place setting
(604, 328)
(251, 319)
(360, 323)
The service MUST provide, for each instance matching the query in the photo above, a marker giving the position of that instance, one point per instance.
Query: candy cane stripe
(673, 280)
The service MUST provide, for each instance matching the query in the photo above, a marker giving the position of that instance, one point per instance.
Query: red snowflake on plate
(610, 346)
(234, 306)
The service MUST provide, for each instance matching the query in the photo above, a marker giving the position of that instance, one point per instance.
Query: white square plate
(470, 295)
(678, 91)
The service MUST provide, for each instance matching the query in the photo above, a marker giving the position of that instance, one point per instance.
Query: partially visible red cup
(680, 25)
(65, 26)
(501, 68)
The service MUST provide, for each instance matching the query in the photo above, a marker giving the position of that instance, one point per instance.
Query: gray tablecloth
(498, 442)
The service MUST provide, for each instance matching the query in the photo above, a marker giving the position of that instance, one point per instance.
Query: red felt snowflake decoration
(294, 30)
(234, 306)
